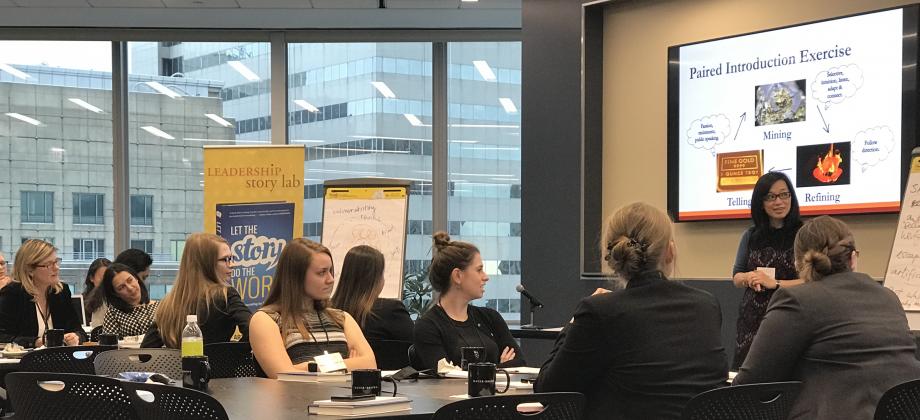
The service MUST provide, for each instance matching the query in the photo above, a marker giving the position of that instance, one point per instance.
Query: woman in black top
(644, 351)
(201, 289)
(36, 300)
(94, 301)
(457, 274)
(360, 283)
(767, 244)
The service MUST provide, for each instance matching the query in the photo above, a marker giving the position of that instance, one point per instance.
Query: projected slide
(820, 102)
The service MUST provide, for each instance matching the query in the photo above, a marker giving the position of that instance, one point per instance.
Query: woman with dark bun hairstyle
(457, 274)
(644, 351)
(841, 333)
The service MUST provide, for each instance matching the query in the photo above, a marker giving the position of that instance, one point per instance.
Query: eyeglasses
(2, 263)
(782, 196)
(55, 263)
(226, 260)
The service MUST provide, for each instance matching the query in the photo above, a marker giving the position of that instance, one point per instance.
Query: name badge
(330, 362)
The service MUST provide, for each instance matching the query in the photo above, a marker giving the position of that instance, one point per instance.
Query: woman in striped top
(295, 323)
(130, 312)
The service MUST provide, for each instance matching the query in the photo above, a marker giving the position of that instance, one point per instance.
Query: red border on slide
(886, 207)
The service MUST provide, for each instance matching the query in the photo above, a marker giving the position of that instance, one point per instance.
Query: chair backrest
(767, 401)
(164, 402)
(164, 361)
(556, 406)
(391, 354)
(69, 396)
(75, 359)
(900, 402)
(232, 360)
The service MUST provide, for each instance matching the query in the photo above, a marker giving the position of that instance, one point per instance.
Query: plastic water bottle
(192, 339)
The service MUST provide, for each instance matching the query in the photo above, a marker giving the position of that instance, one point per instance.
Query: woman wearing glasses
(764, 261)
(36, 300)
(841, 333)
(130, 311)
(202, 288)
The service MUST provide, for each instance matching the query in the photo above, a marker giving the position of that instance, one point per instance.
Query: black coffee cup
(108, 340)
(367, 382)
(54, 338)
(481, 380)
(471, 355)
(196, 372)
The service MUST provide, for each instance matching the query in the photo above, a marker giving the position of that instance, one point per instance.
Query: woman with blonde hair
(644, 351)
(202, 288)
(296, 324)
(841, 333)
(358, 291)
(36, 300)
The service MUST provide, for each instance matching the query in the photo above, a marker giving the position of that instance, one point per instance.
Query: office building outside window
(88, 209)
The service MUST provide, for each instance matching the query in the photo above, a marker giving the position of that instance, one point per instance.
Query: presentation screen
(831, 104)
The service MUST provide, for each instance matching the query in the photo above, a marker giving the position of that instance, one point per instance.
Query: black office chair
(767, 401)
(900, 402)
(232, 360)
(66, 396)
(391, 354)
(556, 406)
(164, 361)
(73, 359)
(164, 402)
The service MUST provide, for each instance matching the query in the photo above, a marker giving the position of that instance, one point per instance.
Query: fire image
(823, 165)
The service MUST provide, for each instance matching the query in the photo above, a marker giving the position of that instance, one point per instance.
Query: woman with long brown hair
(359, 286)
(296, 324)
(202, 289)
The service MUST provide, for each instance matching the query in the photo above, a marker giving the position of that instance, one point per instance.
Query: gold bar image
(738, 171)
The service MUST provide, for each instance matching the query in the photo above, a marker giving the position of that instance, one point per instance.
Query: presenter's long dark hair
(759, 215)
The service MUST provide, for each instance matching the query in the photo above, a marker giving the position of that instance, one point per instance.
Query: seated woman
(295, 323)
(360, 284)
(456, 273)
(202, 288)
(129, 313)
(841, 333)
(644, 351)
(92, 292)
(37, 301)
(4, 277)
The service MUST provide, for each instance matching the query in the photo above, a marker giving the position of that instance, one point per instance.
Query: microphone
(533, 300)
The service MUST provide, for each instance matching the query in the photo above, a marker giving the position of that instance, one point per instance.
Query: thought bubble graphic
(708, 132)
(872, 146)
(836, 84)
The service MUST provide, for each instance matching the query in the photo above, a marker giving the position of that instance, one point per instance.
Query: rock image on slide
(779, 103)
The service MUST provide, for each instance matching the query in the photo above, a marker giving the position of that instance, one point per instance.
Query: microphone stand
(533, 307)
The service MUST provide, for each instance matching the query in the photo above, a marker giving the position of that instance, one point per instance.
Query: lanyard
(43, 317)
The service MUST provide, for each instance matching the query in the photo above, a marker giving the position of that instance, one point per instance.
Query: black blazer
(18, 319)
(845, 336)
(437, 336)
(388, 320)
(217, 325)
(639, 353)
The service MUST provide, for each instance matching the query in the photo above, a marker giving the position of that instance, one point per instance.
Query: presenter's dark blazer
(388, 320)
(18, 320)
(845, 336)
(639, 353)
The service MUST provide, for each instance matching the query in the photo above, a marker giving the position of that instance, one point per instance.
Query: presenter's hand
(760, 281)
(600, 291)
(507, 354)
(71, 339)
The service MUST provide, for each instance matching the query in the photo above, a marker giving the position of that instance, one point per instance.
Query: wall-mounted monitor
(832, 104)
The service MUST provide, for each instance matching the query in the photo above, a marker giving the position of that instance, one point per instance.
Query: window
(176, 247)
(37, 207)
(88, 249)
(145, 245)
(88, 209)
(484, 153)
(142, 210)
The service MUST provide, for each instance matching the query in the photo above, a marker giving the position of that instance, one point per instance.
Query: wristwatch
(777, 284)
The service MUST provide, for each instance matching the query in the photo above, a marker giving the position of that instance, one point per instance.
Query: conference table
(250, 398)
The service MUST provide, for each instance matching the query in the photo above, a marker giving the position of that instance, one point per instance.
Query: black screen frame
(909, 104)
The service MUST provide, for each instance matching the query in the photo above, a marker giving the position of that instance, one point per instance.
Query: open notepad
(378, 405)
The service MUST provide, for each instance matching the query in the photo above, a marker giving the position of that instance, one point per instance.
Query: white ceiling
(262, 14)
(266, 4)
